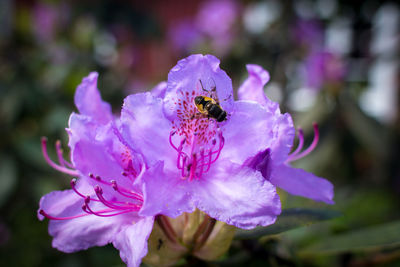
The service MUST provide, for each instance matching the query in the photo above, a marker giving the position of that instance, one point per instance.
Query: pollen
(199, 137)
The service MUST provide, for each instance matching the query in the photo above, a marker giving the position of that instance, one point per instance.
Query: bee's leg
(227, 97)
(202, 87)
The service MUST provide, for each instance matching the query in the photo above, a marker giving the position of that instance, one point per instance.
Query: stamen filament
(301, 143)
(73, 186)
(42, 212)
(193, 167)
(310, 148)
(52, 163)
(98, 179)
(87, 209)
(133, 196)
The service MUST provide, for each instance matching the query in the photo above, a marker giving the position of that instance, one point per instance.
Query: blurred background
(334, 62)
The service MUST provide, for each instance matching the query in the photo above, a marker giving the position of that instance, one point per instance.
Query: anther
(98, 189)
(114, 185)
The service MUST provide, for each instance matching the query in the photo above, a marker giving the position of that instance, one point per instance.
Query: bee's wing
(199, 86)
(212, 89)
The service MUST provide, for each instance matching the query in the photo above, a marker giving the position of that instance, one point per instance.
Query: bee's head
(198, 99)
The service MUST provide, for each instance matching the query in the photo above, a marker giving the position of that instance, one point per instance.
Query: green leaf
(288, 220)
(371, 238)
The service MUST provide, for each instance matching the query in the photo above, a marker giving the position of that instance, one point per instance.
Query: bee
(209, 105)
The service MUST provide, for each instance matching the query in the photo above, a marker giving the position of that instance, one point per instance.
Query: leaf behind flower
(288, 220)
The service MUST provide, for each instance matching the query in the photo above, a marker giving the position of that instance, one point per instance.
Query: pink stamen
(53, 164)
(301, 143)
(180, 153)
(221, 145)
(110, 204)
(209, 161)
(170, 140)
(60, 153)
(193, 167)
(73, 186)
(42, 212)
(132, 195)
(98, 179)
(87, 209)
(201, 165)
(61, 159)
(183, 166)
(310, 148)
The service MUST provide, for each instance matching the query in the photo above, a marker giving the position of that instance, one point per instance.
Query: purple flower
(215, 19)
(102, 206)
(199, 161)
(44, 21)
(308, 32)
(323, 67)
(273, 162)
(212, 24)
(184, 35)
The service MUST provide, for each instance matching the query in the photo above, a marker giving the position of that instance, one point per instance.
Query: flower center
(200, 138)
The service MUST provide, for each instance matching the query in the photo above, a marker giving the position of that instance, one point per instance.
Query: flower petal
(132, 241)
(165, 193)
(283, 135)
(185, 77)
(237, 195)
(92, 147)
(253, 88)
(159, 90)
(82, 232)
(301, 183)
(247, 131)
(89, 102)
(146, 129)
(96, 149)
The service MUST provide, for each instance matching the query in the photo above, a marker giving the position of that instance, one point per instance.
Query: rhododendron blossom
(102, 206)
(168, 154)
(273, 161)
(201, 160)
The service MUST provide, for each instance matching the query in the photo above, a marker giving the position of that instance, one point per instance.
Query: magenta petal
(132, 241)
(239, 196)
(93, 147)
(253, 88)
(89, 102)
(165, 193)
(146, 129)
(159, 90)
(283, 136)
(301, 183)
(185, 76)
(82, 232)
(246, 132)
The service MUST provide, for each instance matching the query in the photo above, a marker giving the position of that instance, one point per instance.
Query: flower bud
(189, 235)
